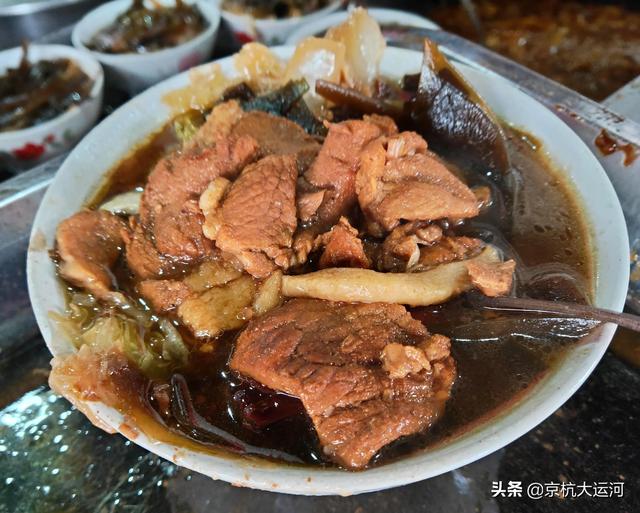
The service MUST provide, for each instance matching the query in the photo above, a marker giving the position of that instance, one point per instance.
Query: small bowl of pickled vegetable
(272, 21)
(50, 96)
(140, 43)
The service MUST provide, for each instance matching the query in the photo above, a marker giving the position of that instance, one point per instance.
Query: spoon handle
(562, 309)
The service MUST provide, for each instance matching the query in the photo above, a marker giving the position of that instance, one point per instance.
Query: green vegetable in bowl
(153, 344)
(141, 29)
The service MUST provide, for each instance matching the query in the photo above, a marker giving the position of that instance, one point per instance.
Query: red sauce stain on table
(608, 145)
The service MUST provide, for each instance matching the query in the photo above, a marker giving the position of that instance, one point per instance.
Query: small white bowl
(84, 170)
(137, 71)
(43, 141)
(273, 31)
(318, 27)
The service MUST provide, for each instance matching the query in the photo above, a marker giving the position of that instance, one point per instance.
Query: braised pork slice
(89, 244)
(278, 136)
(327, 190)
(169, 204)
(258, 215)
(218, 125)
(342, 247)
(399, 179)
(142, 256)
(213, 297)
(367, 374)
(401, 248)
(492, 280)
(164, 295)
(447, 249)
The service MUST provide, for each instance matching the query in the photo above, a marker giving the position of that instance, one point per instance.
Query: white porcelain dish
(43, 141)
(318, 27)
(134, 72)
(273, 31)
(83, 170)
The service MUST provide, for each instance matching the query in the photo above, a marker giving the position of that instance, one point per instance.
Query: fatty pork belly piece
(367, 374)
(213, 298)
(327, 190)
(257, 217)
(399, 179)
(89, 244)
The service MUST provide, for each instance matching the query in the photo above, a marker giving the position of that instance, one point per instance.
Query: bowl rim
(311, 28)
(110, 10)
(476, 443)
(86, 62)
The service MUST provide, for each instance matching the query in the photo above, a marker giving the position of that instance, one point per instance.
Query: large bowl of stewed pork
(271, 269)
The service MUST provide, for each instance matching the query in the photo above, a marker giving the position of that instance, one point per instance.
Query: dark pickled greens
(287, 101)
(141, 29)
(36, 92)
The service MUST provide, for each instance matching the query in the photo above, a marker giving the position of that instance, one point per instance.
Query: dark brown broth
(539, 223)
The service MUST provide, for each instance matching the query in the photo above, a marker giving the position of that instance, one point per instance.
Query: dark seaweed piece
(280, 101)
(454, 119)
(288, 102)
(140, 29)
(36, 92)
(261, 407)
(186, 415)
(301, 114)
(241, 92)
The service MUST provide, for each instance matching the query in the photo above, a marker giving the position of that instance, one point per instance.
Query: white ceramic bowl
(40, 142)
(318, 27)
(137, 71)
(82, 173)
(273, 31)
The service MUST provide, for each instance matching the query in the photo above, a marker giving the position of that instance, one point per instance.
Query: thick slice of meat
(185, 174)
(164, 295)
(448, 249)
(367, 374)
(278, 136)
(167, 295)
(308, 203)
(219, 309)
(169, 207)
(171, 220)
(213, 298)
(399, 179)
(89, 244)
(492, 279)
(333, 172)
(143, 258)
(258, 216)
(342, 247)
(177, 232)
(401, 248)
(218, 124)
